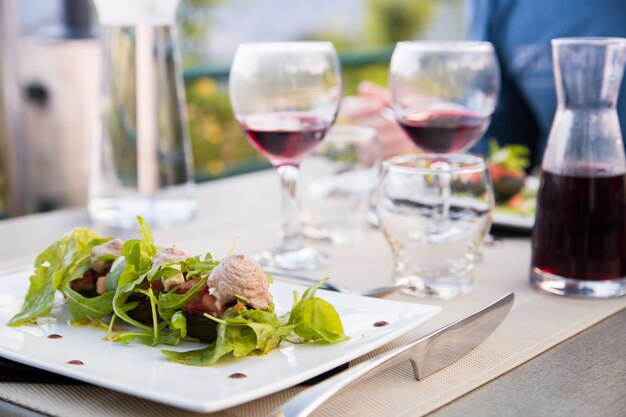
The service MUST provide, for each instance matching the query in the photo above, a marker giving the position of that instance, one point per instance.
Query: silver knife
(428, 354)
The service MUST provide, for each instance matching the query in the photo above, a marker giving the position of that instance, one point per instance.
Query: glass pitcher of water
(579, 240)
(141, 161)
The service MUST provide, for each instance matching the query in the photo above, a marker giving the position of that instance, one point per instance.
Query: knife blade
(428, 354)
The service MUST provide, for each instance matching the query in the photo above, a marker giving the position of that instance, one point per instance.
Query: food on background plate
(506, 167)
(170, 296)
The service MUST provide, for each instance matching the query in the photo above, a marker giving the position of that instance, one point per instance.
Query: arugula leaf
(147, 338)
(138, 254)
(83, 308)
(206, 356)
(146, 245)
(196, 267)
(61, 262)
(179, 323)
(173, 301)
(128, 282)
(113, 277)
(315, 319)
(199, 357)
(240, 332)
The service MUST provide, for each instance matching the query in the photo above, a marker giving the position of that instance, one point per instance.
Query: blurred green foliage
(390, 21)
(195, 18)
(219, 145)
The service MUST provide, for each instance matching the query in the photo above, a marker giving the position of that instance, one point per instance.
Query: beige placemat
(536, 323)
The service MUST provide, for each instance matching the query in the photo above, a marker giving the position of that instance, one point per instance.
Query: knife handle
(427, 354)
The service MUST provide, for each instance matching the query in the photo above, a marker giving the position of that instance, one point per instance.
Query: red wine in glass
(443, 131)
(580, 226)
(285, 140)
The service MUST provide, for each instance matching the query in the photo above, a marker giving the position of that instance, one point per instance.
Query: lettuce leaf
(138, 254)
(315, 319)
(179, 323)
(61, 262)
(117, 268)
(240, 333)
(83, 308)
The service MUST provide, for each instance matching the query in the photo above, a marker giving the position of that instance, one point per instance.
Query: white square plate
(144, 372)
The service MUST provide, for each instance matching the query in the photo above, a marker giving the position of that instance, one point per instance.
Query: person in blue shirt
(520, 31)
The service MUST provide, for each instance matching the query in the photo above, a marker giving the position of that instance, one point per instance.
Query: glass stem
(443, 179)
(290, 237)
(445, 195)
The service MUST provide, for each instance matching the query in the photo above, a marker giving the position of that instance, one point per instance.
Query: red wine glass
(444, 93)
(285, 96)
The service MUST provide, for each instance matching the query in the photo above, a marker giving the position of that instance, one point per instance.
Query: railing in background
(348, 59)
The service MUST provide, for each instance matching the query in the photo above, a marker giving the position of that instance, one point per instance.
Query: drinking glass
(285, 96)
(337, 183)
(444, 93)
(434, 247)
(141, 161)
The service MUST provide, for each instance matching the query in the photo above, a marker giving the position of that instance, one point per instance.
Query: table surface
(583, 376)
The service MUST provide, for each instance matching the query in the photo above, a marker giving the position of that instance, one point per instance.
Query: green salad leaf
(315, 319)
(179, 324)
(240, 332)
(138, 254)
(60, 263)
(84, 308)
(113, 277)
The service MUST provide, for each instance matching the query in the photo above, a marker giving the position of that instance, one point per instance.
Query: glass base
(337, 236)
(441, 288)
(157, 212)
(302, 258)
(556, 284)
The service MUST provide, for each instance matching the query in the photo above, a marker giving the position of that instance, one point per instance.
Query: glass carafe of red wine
(579, 240)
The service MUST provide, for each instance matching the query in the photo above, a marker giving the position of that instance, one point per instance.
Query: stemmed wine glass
(444, 93)
(285, 96)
